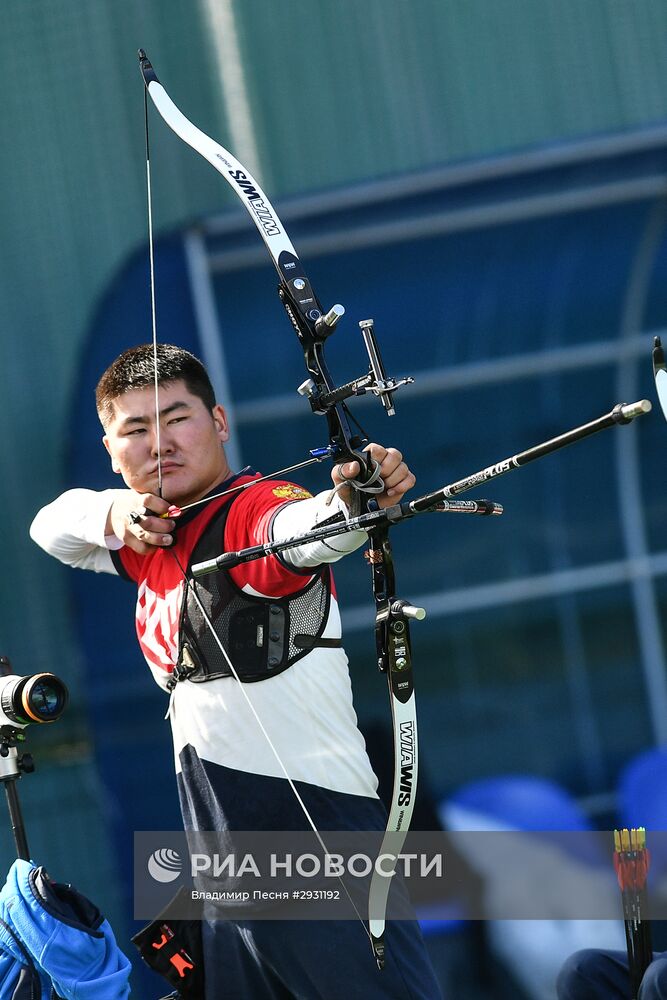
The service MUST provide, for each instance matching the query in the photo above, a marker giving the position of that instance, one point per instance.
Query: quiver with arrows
(631, 863)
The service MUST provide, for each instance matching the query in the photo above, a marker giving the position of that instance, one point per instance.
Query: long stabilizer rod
(623, 413)
(438, 500)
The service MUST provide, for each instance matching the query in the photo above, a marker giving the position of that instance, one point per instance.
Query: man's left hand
(395, 475)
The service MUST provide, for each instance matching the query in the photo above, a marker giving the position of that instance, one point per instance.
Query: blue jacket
(19, 977)
(70, 943)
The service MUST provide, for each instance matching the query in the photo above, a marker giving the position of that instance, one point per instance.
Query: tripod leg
(16, 817)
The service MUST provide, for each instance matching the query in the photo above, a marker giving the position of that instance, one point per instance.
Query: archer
(231, 775)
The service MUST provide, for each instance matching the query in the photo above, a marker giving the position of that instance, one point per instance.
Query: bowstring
(151, 259)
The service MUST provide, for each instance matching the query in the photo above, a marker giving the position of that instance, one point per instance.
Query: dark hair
(135, 369)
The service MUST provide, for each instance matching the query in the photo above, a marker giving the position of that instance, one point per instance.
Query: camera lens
(44, 697)
(37, 698)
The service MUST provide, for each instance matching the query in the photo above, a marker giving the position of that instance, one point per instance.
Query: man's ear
(220, 421)
(114, 464)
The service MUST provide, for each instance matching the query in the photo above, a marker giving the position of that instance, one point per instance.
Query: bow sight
(376, 381)
(37, 698)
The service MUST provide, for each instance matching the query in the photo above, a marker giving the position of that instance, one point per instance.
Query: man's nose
(161, 441)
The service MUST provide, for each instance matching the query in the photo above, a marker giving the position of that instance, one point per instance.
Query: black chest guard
(263, 636)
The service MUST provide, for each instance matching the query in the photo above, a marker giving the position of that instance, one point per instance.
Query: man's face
(191, 442)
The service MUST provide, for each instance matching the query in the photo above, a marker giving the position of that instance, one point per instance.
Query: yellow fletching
(633, 839)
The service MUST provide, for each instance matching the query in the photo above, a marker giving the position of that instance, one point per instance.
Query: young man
(278, 619)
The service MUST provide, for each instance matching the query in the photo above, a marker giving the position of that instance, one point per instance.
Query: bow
(312, 326)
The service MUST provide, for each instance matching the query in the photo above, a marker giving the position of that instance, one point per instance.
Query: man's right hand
(134, 519)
